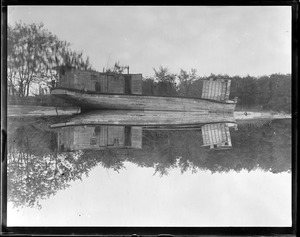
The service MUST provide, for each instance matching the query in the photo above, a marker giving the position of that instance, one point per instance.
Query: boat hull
(90, 100)
(146, 118)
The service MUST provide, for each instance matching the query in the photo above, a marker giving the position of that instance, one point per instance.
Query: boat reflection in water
(124, 129)
(99, 137)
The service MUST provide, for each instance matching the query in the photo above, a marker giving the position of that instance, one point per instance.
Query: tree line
(271, 92)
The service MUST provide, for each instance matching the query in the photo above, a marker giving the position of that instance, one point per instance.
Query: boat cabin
(99, 137)
(93, 81)
(216, 136)
(216, 89)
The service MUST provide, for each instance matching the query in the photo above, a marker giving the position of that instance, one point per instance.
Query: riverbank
(40, 100)
(36, 110)
(42, 105)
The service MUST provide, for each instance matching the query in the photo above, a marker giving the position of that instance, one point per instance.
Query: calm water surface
(100, 175)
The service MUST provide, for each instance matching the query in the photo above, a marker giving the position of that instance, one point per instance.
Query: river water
(208, 174)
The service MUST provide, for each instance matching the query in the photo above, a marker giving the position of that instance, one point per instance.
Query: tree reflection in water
(37, 170)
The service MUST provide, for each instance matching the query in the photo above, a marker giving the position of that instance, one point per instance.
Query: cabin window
(97, 87)
(93, 141)
(116, 140)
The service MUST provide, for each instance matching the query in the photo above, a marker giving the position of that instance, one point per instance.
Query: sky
(134, 197)
(249, 40)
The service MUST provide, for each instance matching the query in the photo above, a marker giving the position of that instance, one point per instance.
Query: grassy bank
(41, 100)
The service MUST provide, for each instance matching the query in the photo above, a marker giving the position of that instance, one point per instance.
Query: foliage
(163, 83)
(33, 178)
(35, 170)
(117, 68)
(186, 80)
(32, 54)
(267, 92)
(166, 84)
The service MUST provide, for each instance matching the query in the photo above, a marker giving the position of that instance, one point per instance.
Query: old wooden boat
(146, 118)
(94, 90)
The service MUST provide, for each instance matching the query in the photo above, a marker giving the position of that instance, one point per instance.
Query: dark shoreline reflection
(38, 166)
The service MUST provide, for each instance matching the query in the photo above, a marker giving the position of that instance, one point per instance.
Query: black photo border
(151, 231)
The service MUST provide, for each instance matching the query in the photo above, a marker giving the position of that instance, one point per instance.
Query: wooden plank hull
(146, 118)
(91, 100)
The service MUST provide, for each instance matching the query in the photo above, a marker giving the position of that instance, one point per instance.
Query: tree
(186, 80)
(148, 86)
(34, 178)
(33, 52)
(166, 84)
(23, 55)
(117, 68)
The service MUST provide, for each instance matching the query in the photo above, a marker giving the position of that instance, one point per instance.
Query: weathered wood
(136, 84)
(228, 90)
(228, 136)
(223, 92)
(103, 136)
(216, 135)
(104, 83)
(141, 102)
(216, 89)
(116, 136)
(210, 89)
(136, 137)
(205, 89)
(116, 84)
(96, 81)
(97, 137)
(145, 118)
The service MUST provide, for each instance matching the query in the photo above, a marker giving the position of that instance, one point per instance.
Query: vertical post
(228, 136)
(228, 89)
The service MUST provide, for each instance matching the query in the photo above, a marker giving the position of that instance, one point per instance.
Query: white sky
(227, 40)
(134, 197)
